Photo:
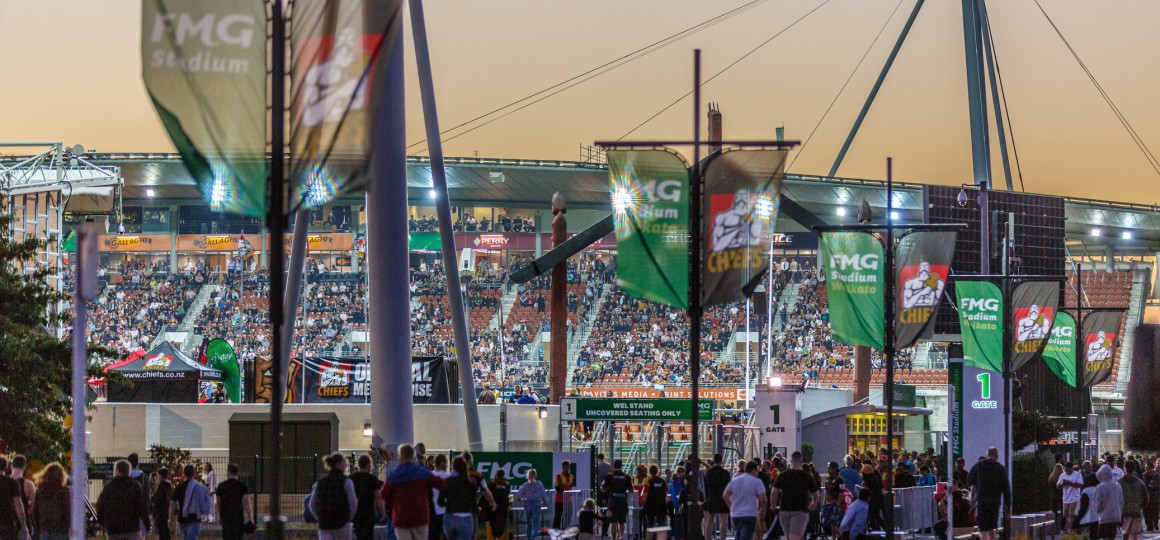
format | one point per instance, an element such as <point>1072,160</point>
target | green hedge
<point>1029,479</point>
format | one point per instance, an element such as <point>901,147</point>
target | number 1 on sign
<point>984,385</point>
<point>776,414</point>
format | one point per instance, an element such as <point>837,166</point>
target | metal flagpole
<point>748,386</point>
<point>276,224</point>
<point>443,210</point>
<point>694,301</point>
<point>888,513</point>
<point>86,289</point>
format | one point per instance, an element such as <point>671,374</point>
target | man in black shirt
<point>234,508</point>
<point>366,489</point>
<point>793,497</point>
<point>159,504</point>
<point>716,509</point>
<point>988,482</point>
<point>11,505</point>
<point>617,485</point>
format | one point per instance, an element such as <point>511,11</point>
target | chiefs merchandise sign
<point>924,260</point>
<point>326,379</point>
<point>741,190</point>
<point>1034,304</point>
<point>1099,346</point>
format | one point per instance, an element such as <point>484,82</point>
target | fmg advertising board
<point>515,466</point>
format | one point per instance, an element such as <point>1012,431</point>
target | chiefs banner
<point>741,193</point>
<point>1100,331</point>
<point>923,265</point>
<point>1033,304</point>
<point>337,47</point>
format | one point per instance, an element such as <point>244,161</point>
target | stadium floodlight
<point>763,207</point>
<point>431,194</point>
<point>841,211</point>
<point>775,381</point>
<point>149,192</point>
<point>622,200</point>
<point>367,431</point>
<point>543,412</point>
<point>1096,231</point>
<point>1127,235</point>
<point>894,216</point>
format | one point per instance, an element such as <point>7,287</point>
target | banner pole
<point>694,300</point>
<point>888,292</point>
<point>443,210</point>
<point>276,224</point>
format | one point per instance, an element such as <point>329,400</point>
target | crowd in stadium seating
<point>468,223</point>
<point>138,303</point>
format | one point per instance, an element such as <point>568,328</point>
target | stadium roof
<point>530,183</point>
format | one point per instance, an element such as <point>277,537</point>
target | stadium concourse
<point>181,272</point>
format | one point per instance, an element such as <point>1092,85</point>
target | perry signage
<point>590,409</point>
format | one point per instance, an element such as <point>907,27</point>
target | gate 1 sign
<point>660,409</point>
<point>976,410</point>
<point>775,412</point>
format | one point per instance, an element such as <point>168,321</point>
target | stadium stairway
<point>1135,315</point>
<point>195,309</point>
<point>787,301</point>
<point>506,302</point>
<point>581,339</point>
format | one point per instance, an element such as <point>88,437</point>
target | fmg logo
<point>212,31</point>
<point>979,304</point>
<point>868,261</point>
<point>1060,332</point>
<point>663,190</point>
<point>512,470</point>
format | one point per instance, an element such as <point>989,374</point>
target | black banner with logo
<point>1033,305</point>
<point>924,262</point>
<point>328,379</point>
<point>741,196</point>
<point>1100,332</point>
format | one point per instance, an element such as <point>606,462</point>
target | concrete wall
<point>121,428</point>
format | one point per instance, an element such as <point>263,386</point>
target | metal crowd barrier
<point>915,508</point>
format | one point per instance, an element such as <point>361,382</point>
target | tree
<point>35,365</point>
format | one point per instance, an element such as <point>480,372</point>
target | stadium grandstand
<point>173,269</point>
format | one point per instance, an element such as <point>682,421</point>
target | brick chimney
<point>714,127</point>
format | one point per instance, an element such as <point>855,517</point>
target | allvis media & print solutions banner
<point>322,379</point>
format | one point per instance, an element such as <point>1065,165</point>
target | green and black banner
<point>981,323</point>
<point>742,188</point>
<point>204,67</point>
<point>1100,331</point>
<point>220,355</point>
<point>1033,305</point>
<point>1059,354</point>
<point>338,46</point>
<point>854,286</point>
<point>923,265</point>
<point>650,190</point>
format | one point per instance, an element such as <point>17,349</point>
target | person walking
<point>1108,502</point>
<point>121,506</point>
<point>745,495</point>
<point>333,500</point>
<point>716,479</point>
<point>1071,482</point>
<point>210,477</point>
<point>50,514</point>
<point>654,502</point>
<point>497,517</point>
<point>534,497</point>
<point>793,497</point>
<point>234,510</point>
<point>851,478</point>
<point>1135,497</point>
<point>989,486</point>
<point>366,490</point>
<point>1152,509</point>
<point>872,482</point>
<point>603,469</point>
<point>405,493</point>
<point>190,502</point>
<point>458,495</point>
<point>615,487</point>
<point>438,509</point>
<point>27,487</point>
<point>159,505</point>
<point>565,481</point>
<point>13,520</point>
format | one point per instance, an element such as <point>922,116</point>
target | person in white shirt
<point>745,495</point>
<point>1072,483</point>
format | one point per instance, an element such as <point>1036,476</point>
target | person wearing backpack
<point>654,499</point>
<point>121,506</point>
<point>333,500</point>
